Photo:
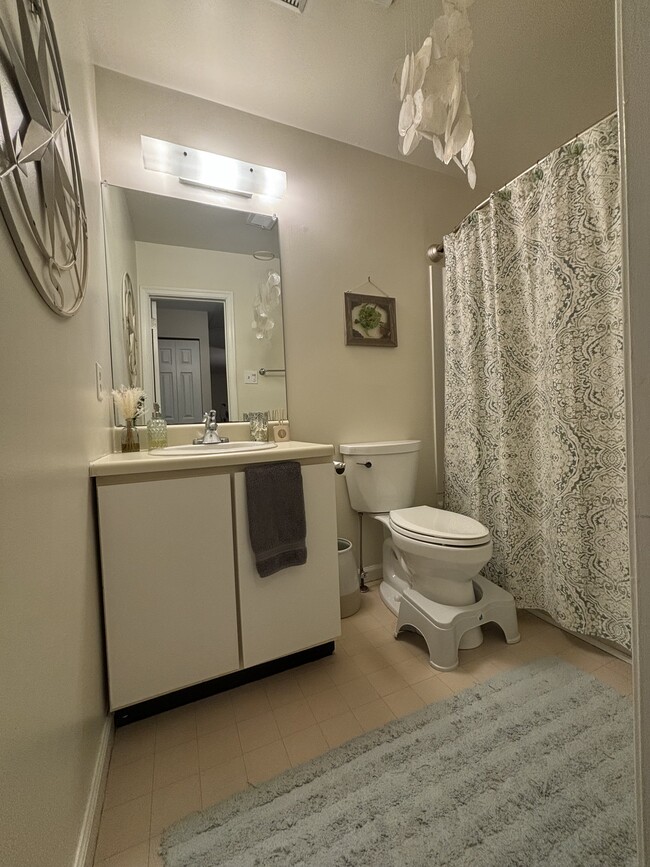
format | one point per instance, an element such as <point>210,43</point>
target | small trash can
<point>348,579</point>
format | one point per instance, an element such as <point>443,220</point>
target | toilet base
<point>391,593</point>
<point>443,626</point>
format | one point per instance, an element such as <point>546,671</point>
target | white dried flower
<point>129,401</point>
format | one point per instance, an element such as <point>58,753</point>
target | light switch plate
<point>250,377</point>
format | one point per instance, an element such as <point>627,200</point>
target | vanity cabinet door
<point>298,607</point>
<point>169,584</point>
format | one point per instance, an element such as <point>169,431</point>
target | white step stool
<point>443,626</point>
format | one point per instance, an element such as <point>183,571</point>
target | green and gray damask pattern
<point>534,385</point>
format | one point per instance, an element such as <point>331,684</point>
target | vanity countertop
<point>143,462</point>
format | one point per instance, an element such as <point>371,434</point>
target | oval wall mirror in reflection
<point>201,327</point>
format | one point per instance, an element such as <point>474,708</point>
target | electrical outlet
<point>250,377</point>
<point>99,381</point>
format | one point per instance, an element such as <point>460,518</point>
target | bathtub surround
<point>535,424</point>
<point>633,34</point>
<point>511,771</point>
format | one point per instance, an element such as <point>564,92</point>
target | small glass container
<point>130,437</point>
<point>157,429</point>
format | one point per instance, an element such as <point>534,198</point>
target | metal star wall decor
<point>41,195</point>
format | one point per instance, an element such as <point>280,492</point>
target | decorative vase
<point>130,438</point>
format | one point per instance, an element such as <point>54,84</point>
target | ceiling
<point>540,71</point>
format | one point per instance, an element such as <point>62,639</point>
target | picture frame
<point>370,320</point>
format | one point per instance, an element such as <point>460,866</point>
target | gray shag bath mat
<point>533,767</point>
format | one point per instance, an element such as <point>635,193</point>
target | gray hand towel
<point>276,515</point>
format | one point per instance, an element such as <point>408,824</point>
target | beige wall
<point>348,214</point>
<point>51,670</point>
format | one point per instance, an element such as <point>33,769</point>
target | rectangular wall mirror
<point>195,306</point>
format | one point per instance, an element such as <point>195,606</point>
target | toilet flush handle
<point>364,464</point>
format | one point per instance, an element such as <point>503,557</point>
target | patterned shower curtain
<point>534,385</point>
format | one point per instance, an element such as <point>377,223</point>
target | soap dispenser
<point>157,429</point>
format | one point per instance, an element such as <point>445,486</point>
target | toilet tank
<point>381,476</point>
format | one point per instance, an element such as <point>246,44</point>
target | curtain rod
<point>436,252</point>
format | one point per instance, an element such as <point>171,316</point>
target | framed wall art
<point>370,320</point>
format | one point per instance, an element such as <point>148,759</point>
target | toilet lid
<point>439,526</point>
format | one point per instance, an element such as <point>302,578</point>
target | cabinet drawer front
<point>298,607</point>
<point>169,584</point>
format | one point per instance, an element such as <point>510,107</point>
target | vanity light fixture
<point>212,171</point>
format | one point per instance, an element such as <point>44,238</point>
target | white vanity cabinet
<point>168,571</point>
<point>297,607</point>
<point>183,602</point>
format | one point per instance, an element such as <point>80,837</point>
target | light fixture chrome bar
<point>191,183</point>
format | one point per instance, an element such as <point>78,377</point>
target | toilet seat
<point>438,527</point>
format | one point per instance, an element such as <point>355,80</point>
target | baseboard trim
<point>90,825</point>
<point>373,573</point>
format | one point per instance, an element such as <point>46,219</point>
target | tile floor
<point>180,761</point>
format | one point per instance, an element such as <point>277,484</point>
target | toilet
<point>431,557</point>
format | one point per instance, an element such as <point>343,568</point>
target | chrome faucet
<point>210,433</point>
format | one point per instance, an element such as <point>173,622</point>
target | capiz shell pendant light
<point>433,88</point>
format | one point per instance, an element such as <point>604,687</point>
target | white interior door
<point>179,371</point>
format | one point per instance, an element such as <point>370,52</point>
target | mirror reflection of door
<point>180,380</point>
<point>191,360</point>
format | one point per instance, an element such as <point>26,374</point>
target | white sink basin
<point>212,449</point>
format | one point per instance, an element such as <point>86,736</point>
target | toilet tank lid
<point>392,447</point>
